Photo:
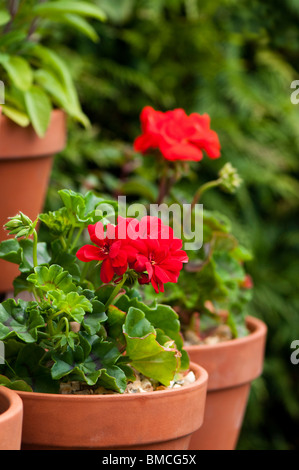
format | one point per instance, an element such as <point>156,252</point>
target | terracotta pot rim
<point>15,404</point>
<point>257,328</point>
<point>32,146</point>
<point>200,382</point>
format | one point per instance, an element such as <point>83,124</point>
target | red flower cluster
<point>148,247</point>
<point>176,135</point>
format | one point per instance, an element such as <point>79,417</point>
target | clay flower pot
<point>231,366</point>
<point>25,168</point>
<point>152,420</point>
<point>11,415</point>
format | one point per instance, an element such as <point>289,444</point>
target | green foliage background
<point>235,60</point>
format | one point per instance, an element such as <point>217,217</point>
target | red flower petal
<point>89,253</point>
<point>107,271</point>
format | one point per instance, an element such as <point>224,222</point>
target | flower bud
<point>20,225</point>
<point>230,180</point>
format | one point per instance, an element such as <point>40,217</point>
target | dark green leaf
<point>20,319</point>
<point>15,384</point>
<point>92,322</point>
<point>10,250</point>
<point>29,368</point>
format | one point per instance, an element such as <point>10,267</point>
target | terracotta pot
<point>231,366</point>
<point>11,415</point>
<point>153,420</point>
<point>25,168</point>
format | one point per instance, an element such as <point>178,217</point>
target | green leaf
<point>43,256</point>
<point>15,384</point>
<point>4,17</point>
<point>141,188</point>
<point>20,319</point>
<point>51,60</point>
<point>19,72</point>
<point>29,367</point>
<point>115,321</point>
<point>160,316</point>
<point>21,284</point>
<point>72,304</point>
<point>38,107</point>
<point>54,277</point>
<point>113,378</point>
<point>58,222</point>
<point>75,206</point>
<point>227,268</point>
<point>17,116</point>
<point>92,322</point>
<point>214,221</point>
<point>152,359</point>
<point>67,261</point>
<point>62,7</point>
<point>10,250</point>
<point>80,24</point>
<point>50,82</point>
<point>99,209</point>
<point>12,38</point>
<point>91,363</point>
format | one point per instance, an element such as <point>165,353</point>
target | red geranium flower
<point>176,135</point>
<point>108,249</point>
<point>148,247</point>
<point>159,262</point>
<point>157,255</point>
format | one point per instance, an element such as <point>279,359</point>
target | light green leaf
<point>19,117</point>
<point>19,71</point>
<point>77,8</point>
<point>39,109</point>
<point>49,81</point>
<point>72,304</point>
<point>4,17</point>
<point>147,355</point>
<point>51,278</point>
<point>51,60</point>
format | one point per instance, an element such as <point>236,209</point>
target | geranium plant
<point>214,287</point>
<point>35,76</point>
<point>86,321</point>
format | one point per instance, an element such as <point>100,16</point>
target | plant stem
<point>35,262</point>
<point>163,185</point>
<point>63,242</point>
<point>70,237</point>
<point>77,238</point>
<point>84,272</point>
<point>203,189</point>
<point>13,6</point>
<point>170,174</point>
<point>115,292</point>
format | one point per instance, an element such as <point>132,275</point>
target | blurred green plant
<point>234,60</point>
<point>36,78</point>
